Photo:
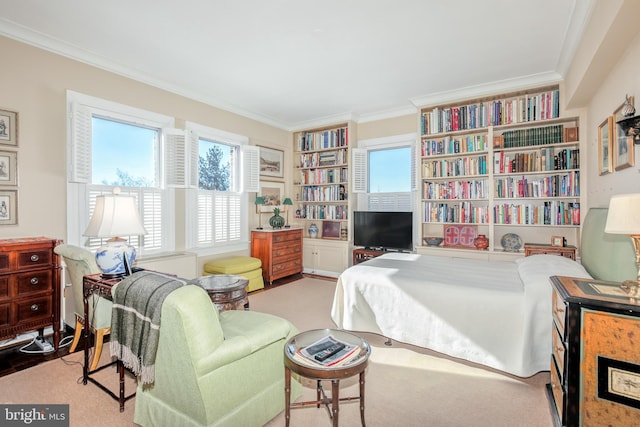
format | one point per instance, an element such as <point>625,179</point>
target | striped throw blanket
<point>135,320</point>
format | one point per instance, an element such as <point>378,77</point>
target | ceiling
<point>296,63</point>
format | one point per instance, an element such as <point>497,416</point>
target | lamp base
<point>115,258</point>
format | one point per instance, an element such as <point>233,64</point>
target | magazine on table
<point>327,351</point>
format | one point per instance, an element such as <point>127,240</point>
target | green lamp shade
<point>287,201</point>
<point>259,200</point>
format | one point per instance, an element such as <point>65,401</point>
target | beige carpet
<point>405,385</point>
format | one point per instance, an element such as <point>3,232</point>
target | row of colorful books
<point>549,213</point>
<point>333,138</point>
<point>546,159</point>
<point>331,212</point>
<point>567,185</point>
<point>450,190</point>
<point>526,108</point>
<point>324,176</point>
<point>455,145</point>
<point>465,166</point>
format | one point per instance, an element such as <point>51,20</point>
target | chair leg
<point>100,333</point>
<point>76,335</point>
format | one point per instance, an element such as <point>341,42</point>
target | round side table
<point>227,291</point>
<point>294,362</point>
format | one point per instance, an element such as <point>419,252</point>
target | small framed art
<point>273,195</point>
<point>557,241</point>
<point>618,381</point>
<point>8,128</point>
<point>623,148</point>
<point>271,162</point>
<point>8,168</point>
<point>331,229</point>
<point>8,207</point>
<point>605,134</point>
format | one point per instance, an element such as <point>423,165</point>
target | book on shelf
<point>327,352</point>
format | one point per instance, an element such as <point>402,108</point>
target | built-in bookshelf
<point>508,164</point>
<point>321,183</point>
<point>321,180</point>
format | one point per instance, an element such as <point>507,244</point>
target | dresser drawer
<point>559,353</point>
<point>284,250</point>
<point>292,266</point>
<point>5,265</point>
<point>4,287</point>
<point>33,309</point>
<point>34,282</point>
<point>4,314</point>
<point>557,391</point>
<point>287,236</point>
<point>559,314</point>
<point>34,259</point>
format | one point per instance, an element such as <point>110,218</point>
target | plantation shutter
<point>175,161</point>
<point>250,169</point>
<point>80,149</point>
<point>359,177</point>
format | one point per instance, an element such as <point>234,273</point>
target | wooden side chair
<point>80,262</point>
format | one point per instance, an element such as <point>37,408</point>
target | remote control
<point>325,354</point>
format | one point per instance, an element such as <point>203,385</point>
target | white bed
<point>497,314</point>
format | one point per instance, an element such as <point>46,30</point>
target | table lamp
<point>287,202</point>
<point>259,201</point>
<point>114,216</point>
<point>624,218</point>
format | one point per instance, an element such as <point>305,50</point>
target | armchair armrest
<point>229,351</point>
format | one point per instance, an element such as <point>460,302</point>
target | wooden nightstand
<point>362,255</point>
<point>539,248</point>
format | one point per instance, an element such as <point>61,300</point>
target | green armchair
<point>80,262</point>
<point>214,369</point>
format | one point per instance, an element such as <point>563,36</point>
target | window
<point>113,145</point>
<point>227,168</point>
<point>384,173</point>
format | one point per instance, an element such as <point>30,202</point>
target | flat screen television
<point>383,230</point>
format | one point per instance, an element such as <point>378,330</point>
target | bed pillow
<point>537,269</point>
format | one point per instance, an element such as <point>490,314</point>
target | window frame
<point>80,110</point>
<point>247,178</point>
<point>392,201</point>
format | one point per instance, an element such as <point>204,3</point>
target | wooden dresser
<point>279,250</point>
<point>595,363</point>
<point>29,287</point>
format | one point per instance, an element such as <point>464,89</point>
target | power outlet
<point>44,345</point>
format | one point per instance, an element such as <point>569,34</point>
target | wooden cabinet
<point>537,248</point>
<point>506,164</point>
<point>325,257</point>
<point>594,328</point>
<point>279,250</point>
<point>29,287</point>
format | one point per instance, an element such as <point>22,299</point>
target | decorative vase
<point>481,242</point>
<point>313,231</point>
<point>276,221</point>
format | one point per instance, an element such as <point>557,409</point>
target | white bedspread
<point>494,313</point>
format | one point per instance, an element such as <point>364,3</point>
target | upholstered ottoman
<point>244,266</point>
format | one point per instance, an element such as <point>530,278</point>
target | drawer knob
<point>35,258</point>
<point>34,307</point>
<point>34,281</point>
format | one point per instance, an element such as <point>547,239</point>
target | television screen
<point>386,230</point>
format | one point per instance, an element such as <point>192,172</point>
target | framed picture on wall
<point>623,148</point>
<point>605,133</point>
<point>271,162</point>
<point>273,195</point>
<point>8,168</point>
<point>8,207</point>
<point>8,128</point>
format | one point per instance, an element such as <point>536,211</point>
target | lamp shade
<point>115,216</point>
<point>259,200</point>
<point>624,215</point>
<point>287,201</point>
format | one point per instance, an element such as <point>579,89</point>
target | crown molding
<point>508,85</point>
